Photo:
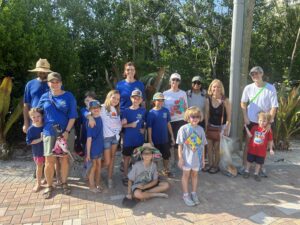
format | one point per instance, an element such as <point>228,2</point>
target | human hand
<point>87,158</point>
<point>129,196</point>
<point>133,125</point>
<point>180,163</point>
<point>172,141</point>
<point>142,130</point>
<point>272,152</point>
<point>25,128</point>
<point>66,135</point>
<point>123,121</point>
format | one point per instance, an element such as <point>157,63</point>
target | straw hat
<point>42,65</point>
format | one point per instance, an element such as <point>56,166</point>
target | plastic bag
<point>226,149</point>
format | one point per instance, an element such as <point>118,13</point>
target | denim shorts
<point>109,141</point>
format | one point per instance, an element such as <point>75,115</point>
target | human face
<point>55,85</point>
<point>256,76</point>
<point>194,119</point>
<point>147,155</point>
<point>115,99</point>
<point>196,84</point>
<point>136,100</point>
<point>36,118</point>
<point>42,75</point>
<point>175,83</point>
<point>87,100</point>
<point>262,122</point>
<point>95,111</point>
<point>216,89</point>
<point>129,72</point>
<point>158,103</point>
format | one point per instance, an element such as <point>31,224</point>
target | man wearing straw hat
<point>35,88</point>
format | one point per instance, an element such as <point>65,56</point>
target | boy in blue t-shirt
<point>158,123</point>
<point>35,139</point>
<point>95,147</point>
<point>133,120</point>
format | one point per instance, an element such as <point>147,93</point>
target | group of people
<point>179,123</point>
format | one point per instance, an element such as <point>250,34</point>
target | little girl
<point>191,141</point>
<point>110,114</point>
<point>133,120</point>
<point>94,147</point>
<point>260,138</point>
<point>35,139</point>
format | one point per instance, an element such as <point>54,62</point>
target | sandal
<point>125,181</point>
<point>100,188</point>
<point>66,189</point>
<point>48,193</point>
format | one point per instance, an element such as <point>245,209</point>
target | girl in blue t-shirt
<point>35,139</point>
<point>133,120</point>
<point>95,147</point>
<point>158,124</point>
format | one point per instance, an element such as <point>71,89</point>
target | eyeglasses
<point>176,80</point>
<point>197,82</point>
<point>195,117</point>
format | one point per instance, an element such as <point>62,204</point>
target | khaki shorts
<point>49,142</point>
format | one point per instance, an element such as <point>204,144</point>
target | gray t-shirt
<point>140,174</point>
<point>196,99</point>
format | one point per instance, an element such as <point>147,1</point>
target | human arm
<point>26,108</point>
<point>206,113</point>
<point>150,135</point>
<point>129,193</point>
<point>271,146</point>
<point>228,112</point>
<point>171,133</point>
<point>273,113</point>
<point>180,159</point>
<point>148,185</point>
<point>88,148</point>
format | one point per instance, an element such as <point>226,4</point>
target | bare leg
<point>64,168</point>
<point>257,168</point>
<point>185,180</point>
<point>49,169</point>
<point>194,175</point>
<point>107,158</point>
<point>98,172</point>
<point>217,154</point>
<point>210,153</point>
<point>112,161</point>
<point>57,171</point>
<point>39,174</point>
<point>245,151</point>
<point>247,168</point>
<point>92,175</point>
<point>166,165</point>
<point>126,164</point>
<point>154,192</point>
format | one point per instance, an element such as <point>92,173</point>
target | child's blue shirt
<point>32,134</point>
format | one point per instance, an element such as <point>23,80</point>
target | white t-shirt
<point>111,122</point>
<point>266,100</point>
<point>196,99</point>
<point>176,103</point>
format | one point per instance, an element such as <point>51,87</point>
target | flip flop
<point>66,189</point>
<point>48,193</point>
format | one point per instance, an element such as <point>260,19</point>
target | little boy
<point>158,123</point>
<point>95,147</point>
<point>260,138</point>
<point>143,178</point>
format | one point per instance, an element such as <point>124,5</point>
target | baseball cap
<point>94,104</point>
<point>136,92</point>
<point>54,76</point>
<point>197,78</point>
<point>175,76</point>
<point>158,96</point>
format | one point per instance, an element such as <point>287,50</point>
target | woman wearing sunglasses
<point>197,96</point>
<point>176,103</point>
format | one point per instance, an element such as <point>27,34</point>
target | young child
<point>143,178</point>
<point>133,120</point>
<point>110,114</point>
<point>35,139</point>
<point>95,147</point>
<point>191,141</point>
<point>158,123</point>
<point>260,138</point>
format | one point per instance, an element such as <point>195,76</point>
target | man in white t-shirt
<point>257,97</point>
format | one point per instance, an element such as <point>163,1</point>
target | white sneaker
<point>195,198</point>
<point>188,201</point>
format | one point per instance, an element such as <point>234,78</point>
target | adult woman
<point>218,115</point>
<point>59,112</point>
<point>176,103</point>
<point>197,96</point>
<point>126,86</point>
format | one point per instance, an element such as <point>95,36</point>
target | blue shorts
<point>96,156</point>
<point>109,141</point>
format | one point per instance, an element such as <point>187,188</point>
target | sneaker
<point>195,198</point>
<point>110,183</point>
<point>188,201</point>
<point>257,177</point>
<point>263,172</point>
<point>246,175</point>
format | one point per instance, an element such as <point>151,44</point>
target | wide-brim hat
<point>147,146</point>
<point>42,65</point>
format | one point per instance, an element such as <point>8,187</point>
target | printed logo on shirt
<point>259,137</point>
<point>179,107</point>
<point>139,116</point>
<point>62,103</point>
<point>194,141</point>
<point>165,115</point>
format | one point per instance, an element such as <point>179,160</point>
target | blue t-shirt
<point>125,88</point>
<point>96,133</point>
<point>32,134</point>
<point>158,121</point>
<point>57,110</point>
<point>83,121</point>
<point>133,136</point>
<point>34,89</point>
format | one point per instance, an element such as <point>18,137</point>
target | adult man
<point>35,88</point>
<point>257,97</point>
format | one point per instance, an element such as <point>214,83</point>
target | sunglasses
<point>160,100</point>
<point>195,117</point>
<point>175,79</point>
<point>196,82</point>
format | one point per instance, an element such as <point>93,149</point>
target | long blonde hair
<point>107,102</point>
<point>209,91</point>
